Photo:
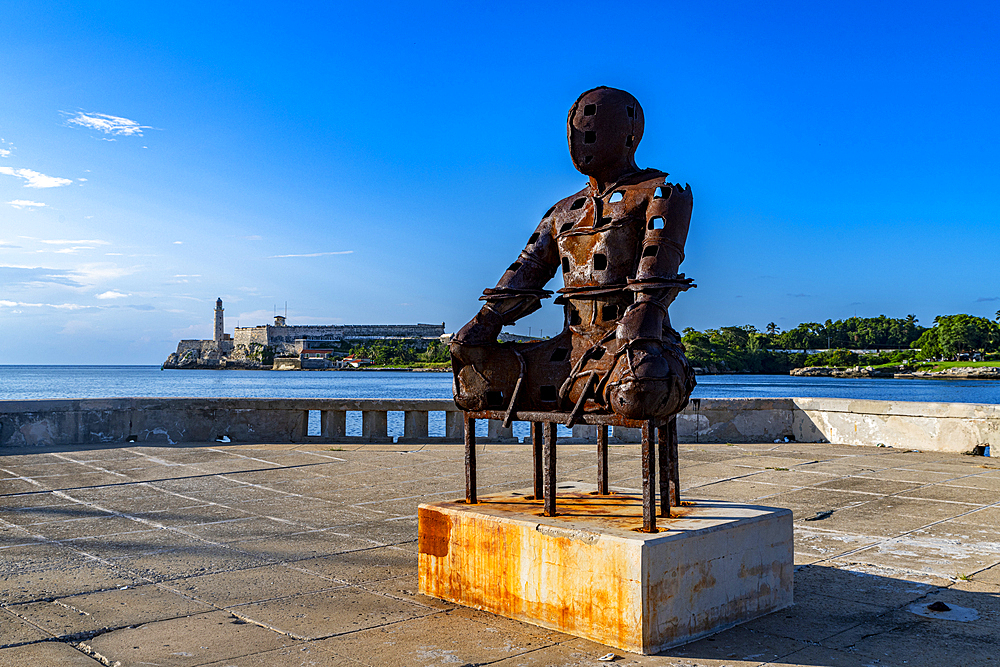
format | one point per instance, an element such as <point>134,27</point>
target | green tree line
<point>745,349</point>
<point>401,353</point>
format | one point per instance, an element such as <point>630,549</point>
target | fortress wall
<point>203,347</point>
<point>249,335</point>
<point>352,332</point>
<point>272,335</point>
<point>199,346</point>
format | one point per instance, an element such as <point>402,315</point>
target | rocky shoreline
<point>962,373</point>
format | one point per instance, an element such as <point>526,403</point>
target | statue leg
<point>653,379</point>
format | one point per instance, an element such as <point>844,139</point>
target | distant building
<point>314,344</point>
<point>204,353</point>
<point>219,324</point>
<point>356,362</point>
<point>291,340</point>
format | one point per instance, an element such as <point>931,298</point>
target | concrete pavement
<point>211,554</point>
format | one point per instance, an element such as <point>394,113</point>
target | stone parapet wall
<point>941,427</point>
<point>173,420</point>
<point>951,427</point>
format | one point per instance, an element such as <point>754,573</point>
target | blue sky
<point>383,163</point>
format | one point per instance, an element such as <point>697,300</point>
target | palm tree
<point>773,328</point>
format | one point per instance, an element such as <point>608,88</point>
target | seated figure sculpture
<point>620,243</point>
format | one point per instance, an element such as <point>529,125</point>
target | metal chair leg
<point>602,460</point>
<point>649,476</point>
<point>470,462</point>
<point>549,459</point>
<point>537,437</point>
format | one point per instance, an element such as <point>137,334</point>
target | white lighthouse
<point>219,336</point>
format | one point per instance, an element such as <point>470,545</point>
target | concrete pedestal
<point>591,573</point>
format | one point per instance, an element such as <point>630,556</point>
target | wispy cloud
<point>112,294</point>
<point>4,244</point>
<point>35,179</point>
<point>73,250</point>
<point>254,237</point>
<point>94,274</point>
<point>4,152</point>
<point>314,254</point>
<point>182,278</point>
<point>26,203</point>
<point>27,275</point>
<point>61,306</point>
<point>88,242</point>
<point>987,298</point>
<point>178,242</point>
<point>102,122</point>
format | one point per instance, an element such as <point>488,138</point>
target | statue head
<point>604,127</point>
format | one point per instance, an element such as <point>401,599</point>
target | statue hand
<point>482,330</point>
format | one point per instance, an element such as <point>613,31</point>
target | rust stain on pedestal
<point>486,564</point>
<point>590,573</point>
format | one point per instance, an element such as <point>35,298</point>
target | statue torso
<point>600,236</point>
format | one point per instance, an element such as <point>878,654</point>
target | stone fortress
<point>256,347</point>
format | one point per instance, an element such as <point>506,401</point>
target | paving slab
<point>438,639</point>
<point>240,528</point>
<point>46,653</point>
<point>15,631</point>
<point>989,575</point>
<point>816,618</point>
<point>366,565</point>
<point>956,494</point>
<point>865,584</point>
<point>39,556</point>
<point>944,558</point>
<point>267,582</point>
<point>302,545</point>
<point>812,544</point>
<point>106,610</point>
<point>40,508</point>
<point>193,560</point>
<point>900,634</point>
<point>192,513</point>
<point>187,641</point>
<point>334,612</point>
<point>60,581</point>
<point>306,654</point>
<point>103,526</point>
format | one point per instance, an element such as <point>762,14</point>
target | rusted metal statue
<point>620,243</point>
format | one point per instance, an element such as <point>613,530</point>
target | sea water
<point>42,382</point>
<point>49,382</point>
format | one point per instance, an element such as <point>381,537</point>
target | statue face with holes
<point>619,243</point>
<point>603,131</point>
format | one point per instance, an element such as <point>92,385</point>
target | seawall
<point>948,427</point>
